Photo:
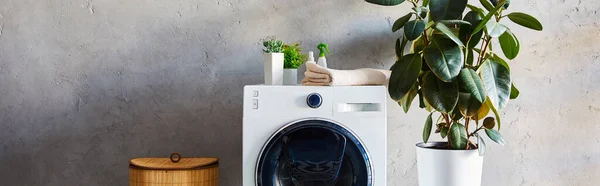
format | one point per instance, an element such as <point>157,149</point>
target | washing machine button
<point>255,104</point>
<point>314,100</point>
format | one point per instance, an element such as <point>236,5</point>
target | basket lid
<point>175,162</point>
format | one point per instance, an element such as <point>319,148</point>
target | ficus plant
<point>452,68</point>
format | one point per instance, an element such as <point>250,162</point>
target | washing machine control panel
<point>314,100</point>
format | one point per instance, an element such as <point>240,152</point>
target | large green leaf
<point>465,32</point>
<point>469,81</point>
<point>472,93</point>
<point>444,58</point>
<point>442,96</point>
<point>414,29</point>
<point>486,18</point>
<point>496,79</point>
<point>400,22</point>
<point>446,9</point>
<point>405,73</point>
<point>480,145</point>
<point>386,2</point>
<point>444,29</point>
<point>427,128</point>
<point>495,136</point>
<point>525,20</point>
<point>514,92</point>
<point>510,44</point>
<point>408,99</point>
<point>495,29</point>
<point>491,106</point>
<point>458,136</point>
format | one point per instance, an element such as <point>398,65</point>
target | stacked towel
<point>316,75</point>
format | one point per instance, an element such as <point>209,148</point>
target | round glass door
<point>314,152</point>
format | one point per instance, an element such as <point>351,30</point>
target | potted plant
<point>293,58</point>
<point>273,61</point>
<point>455,74</point>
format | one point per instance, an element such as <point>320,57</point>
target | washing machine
<point>314,136</point>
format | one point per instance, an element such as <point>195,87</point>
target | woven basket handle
<point>175,157</point>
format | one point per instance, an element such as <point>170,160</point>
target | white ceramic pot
<point>290,76</point>
<point>273,68</point>
<point>444,167</point>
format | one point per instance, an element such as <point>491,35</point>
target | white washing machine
<point>312,136</point>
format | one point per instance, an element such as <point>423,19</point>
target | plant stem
<point>448,124</point>
<point>485,46</point>
<point>474,132</point>
<point>467,129</point>
<point>414,3</point>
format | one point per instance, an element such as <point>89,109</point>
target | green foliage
<point>407,69</point>
<point>427,128</point>
<point>457,136</point>
<point>446,9</point>
<point>525,20</point>
<point>414,29</point>
<point>293,56</point>
<point>398,24</point>
<point>445,58</point>
<point>452,68</point>
<point>442,96</point>
<point>510,44</point>
<point>272,45</point>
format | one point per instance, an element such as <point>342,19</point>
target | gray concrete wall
<point>85,85</point>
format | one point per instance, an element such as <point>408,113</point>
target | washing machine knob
<point>314,100</point>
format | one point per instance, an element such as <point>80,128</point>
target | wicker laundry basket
<point>174,171</point>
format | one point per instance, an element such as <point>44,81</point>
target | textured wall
<point>85,85</point>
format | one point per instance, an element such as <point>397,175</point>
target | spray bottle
<point>322,48</point>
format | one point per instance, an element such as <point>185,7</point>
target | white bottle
<point>311,57</point>
<point>322,61</point>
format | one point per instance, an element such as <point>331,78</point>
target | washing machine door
<point>314,152</point>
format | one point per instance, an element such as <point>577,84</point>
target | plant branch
<point>474,132</point>
<point>486,44</point>
<point>447,125</point>
<point>467,129</point>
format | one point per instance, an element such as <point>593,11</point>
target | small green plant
<point>450,73</point>
<point>293,56</point>
<point>272,45</point>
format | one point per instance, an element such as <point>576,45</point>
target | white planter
<point>290,76</point>
<point>444,167</point>
<point>273,68</point>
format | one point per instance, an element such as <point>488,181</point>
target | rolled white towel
<point>316,75</point>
